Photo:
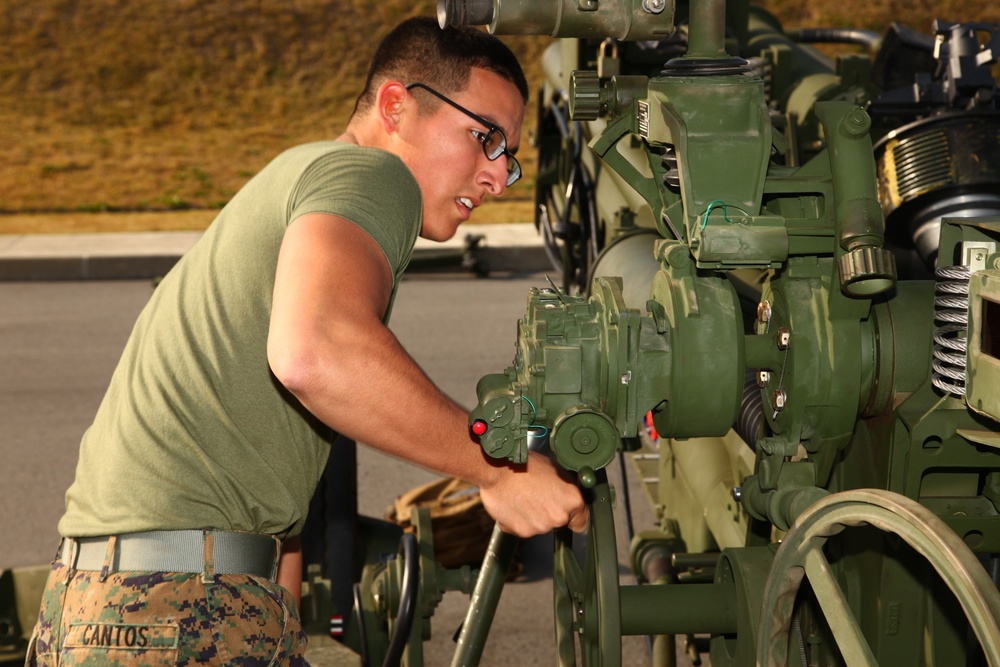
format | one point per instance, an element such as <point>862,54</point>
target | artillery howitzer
<point>750,237</point>
<point>780,298</point>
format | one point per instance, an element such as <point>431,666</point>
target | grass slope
<point>174,104</point>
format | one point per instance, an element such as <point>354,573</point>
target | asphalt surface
<point>60,340</point>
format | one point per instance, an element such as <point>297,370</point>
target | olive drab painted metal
<point>780,299</point>
<point>779,302</point>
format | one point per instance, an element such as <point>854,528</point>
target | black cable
<point>359,618</point>
<point>407,601</point>
<point>867,38</point>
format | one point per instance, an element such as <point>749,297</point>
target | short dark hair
<point>419,50</point>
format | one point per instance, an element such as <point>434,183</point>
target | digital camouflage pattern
<point>163,619</point>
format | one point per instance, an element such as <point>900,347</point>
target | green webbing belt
<point>177,551</point>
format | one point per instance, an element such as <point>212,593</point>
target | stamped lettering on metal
<point>643,118</point>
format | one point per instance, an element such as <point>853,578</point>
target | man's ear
<point>391,102</point>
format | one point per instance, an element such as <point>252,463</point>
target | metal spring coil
<point>951,306</point>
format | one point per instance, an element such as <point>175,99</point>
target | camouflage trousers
<point>163,619</point>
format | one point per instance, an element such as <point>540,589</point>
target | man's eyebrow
<point>493,121</point>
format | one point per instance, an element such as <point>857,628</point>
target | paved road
<point>59,343</point>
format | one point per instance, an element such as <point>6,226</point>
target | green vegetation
<point>122,105</point>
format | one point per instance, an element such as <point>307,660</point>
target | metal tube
<point>457,13</point>
<point>485,597</point>
<point>664,651</point>
<point>866,268</point>
<point>626,20</point>
<point>852,163</point>
<point>707,32</point>
<point>679,609</point>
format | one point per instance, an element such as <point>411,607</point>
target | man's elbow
<point>295,367</point>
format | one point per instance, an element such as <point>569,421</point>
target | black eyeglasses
<point>494,141</point>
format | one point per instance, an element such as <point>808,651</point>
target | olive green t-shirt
<point>195,431</point>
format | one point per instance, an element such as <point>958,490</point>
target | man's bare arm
<point>327,344</point>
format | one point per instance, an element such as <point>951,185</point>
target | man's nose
<point>496,175</point>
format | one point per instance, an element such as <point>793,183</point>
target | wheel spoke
<point>801,552</point>
<point>850,640</point>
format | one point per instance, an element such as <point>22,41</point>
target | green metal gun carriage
<point>780,284</point>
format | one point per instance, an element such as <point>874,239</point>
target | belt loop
<point>277,557</point>
<point>208,557</point>
<point>68,551</point>
<point>109,558</point>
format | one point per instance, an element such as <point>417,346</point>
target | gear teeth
<point>584,95</point>
<point>867,270</point>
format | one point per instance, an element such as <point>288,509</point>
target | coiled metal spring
<point>951,307</point>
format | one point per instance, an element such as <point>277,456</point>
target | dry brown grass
<point>153,106</point>
<point>125,105</point>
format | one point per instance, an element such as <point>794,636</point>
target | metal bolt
<point>626,377</point>
<point>764,312</point>
<point>763,377</point>
<point>784,337</point>
<point>858,122</point>
<point>737,493</point>
<point>653,6</point>
<point>779,399</point>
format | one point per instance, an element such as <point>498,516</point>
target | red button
<point>479,427</point>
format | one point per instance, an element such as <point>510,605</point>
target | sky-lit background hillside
<point>172,104</point>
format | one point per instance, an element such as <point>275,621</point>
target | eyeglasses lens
<point>513,170</point>
<point>495,145</point>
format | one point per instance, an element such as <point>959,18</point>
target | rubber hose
<point>407,601</point>
<point>868,38</point>
<point>359,617</point>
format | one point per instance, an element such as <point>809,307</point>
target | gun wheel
<point>586,597</point>
<point>801,556</point>
<point>565,212</point>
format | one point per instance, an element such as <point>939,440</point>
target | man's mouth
<point>466,202</point>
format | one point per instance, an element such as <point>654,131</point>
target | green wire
<point>534,416</point>
<point>711,205</point>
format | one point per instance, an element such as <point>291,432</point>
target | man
<point>268,339</point>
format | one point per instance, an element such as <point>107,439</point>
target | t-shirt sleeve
<point>371,188</point>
